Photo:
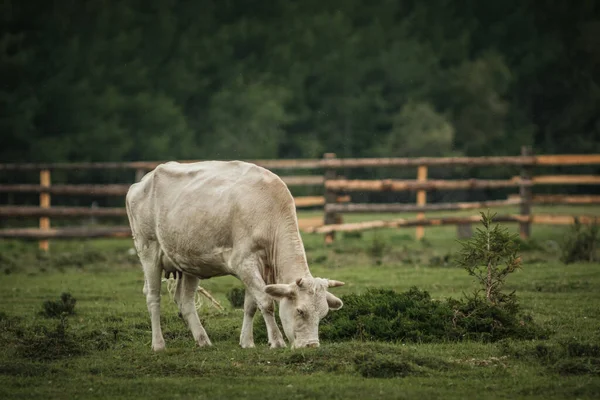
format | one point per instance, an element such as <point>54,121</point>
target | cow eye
<point>300,312</point>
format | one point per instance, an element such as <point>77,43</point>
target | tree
<point>418,130</point>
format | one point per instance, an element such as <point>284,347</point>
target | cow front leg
<point>247,335</point>
<point>267,308</point>
<point>255,285</point>
<point>187,309</point>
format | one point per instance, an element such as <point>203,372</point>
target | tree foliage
<point>133,80</point>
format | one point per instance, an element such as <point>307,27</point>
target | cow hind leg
<point>187,309</point>
<point>152,283</point>
<point>247,335</point>
<point>177,297</point>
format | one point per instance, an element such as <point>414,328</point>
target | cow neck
<point>289,256</point>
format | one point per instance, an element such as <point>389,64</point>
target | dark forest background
<point>97,80</point>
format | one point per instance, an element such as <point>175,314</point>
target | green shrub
<point>386,315</point>
<point>55,309</point>
<point>567,357</point>
<point>236,297</point>
<point>352,235</point>
<point>528,244</point>
<point>377,248</point>
<point>42,344</point>
<point>380,366</point>
<point>413,316</point>
<point>8,264</point>
<point>580,243</point>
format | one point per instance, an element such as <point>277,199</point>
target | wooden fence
<point>336,191</point>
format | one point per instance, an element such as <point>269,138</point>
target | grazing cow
<point>213,218</point>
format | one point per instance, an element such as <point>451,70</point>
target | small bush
<point>570,357</point>
<point>236,297</point>
<point>386,315</point>
<point>353,235</point>
<point>55,309</point>
<point>8,263</point>
<point>103,339</point>
<point>44,345</point>
<point>380,366</point>
<point>580,243</point>
<point>477,319</point>
<point>528,244</point>
<point>441,261</point>
<point>412,316</point>
<point>377,248</point>
<point>396,365</point>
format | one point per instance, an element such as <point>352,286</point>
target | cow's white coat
<point>216,218</point>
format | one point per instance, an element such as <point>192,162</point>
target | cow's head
<point>302,305</point>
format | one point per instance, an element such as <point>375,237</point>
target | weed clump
<point>376,365</point>
<point>45,344</point>
<point>380,366</point>
<point>570,357</point>
<point>581,243</point>
<point>377,249</point>
<point>7,263</point>
<point>236,297</point>
<point>56,309</point>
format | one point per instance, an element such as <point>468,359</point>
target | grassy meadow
<point>103,350</point>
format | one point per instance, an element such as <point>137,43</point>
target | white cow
<point>214,218</point>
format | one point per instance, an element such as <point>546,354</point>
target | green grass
<point>108,337</point>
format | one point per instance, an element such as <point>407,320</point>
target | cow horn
<point>334,283</point>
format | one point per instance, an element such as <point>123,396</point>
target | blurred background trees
<point>97,80</point>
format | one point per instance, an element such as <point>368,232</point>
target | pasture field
<point>103,350</point>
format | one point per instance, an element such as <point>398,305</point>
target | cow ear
<point>280,290</point>
<point>333,302</point>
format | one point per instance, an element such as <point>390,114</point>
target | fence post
<point>525,193</point>
<point>330,198</point>
<point>44,203</point>
<point>421,199</point>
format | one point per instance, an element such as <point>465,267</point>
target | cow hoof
<point>277,344</point>
<point>247,345</point>
<point>158,347</point>
<point>203,342</point>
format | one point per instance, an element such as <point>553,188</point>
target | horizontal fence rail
<point>336,197</point>
<point>66,212</point>
<point>66,233</point>
<point>561,199</point>
<point>389,185</point>
<point>61,212</point>
<point>402,207</point>
<point>398,223</point>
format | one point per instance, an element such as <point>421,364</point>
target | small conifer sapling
<point>489,256</point>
